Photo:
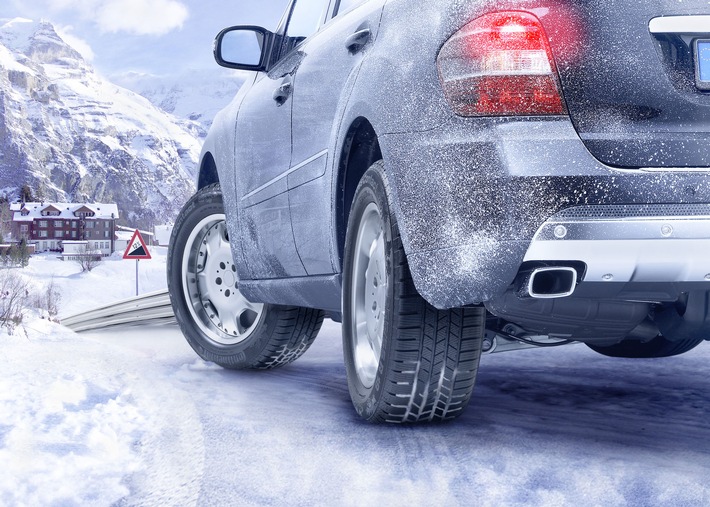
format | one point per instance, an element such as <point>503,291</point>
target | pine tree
<point>13,255</point>
<point>5,219</point>
<point>23,253</point>
<point>26,194</point>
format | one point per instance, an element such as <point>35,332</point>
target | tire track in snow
<point>544,427</point>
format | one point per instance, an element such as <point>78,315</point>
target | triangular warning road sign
<point>136,248</point>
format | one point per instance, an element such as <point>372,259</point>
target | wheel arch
<point>360,149</point>
<point>208,172</point>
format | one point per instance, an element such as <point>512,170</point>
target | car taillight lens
<point>500,64</point>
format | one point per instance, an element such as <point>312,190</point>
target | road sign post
<point>137,250</point>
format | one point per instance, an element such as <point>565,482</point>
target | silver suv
<point>450,178</point>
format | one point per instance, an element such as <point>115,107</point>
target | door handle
<point>358,40</point>
<point>283,92</point>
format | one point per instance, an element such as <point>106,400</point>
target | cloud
<point>78,5</point>
<point>65,32</point>
<point>142,17</point>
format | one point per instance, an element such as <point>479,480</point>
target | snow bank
<point>81,424</point>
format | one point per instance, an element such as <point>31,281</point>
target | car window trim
<point>282,27</point>
<point>325,16</point>
<point>336,10</point>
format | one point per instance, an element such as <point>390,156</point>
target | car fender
<point>220,145</point>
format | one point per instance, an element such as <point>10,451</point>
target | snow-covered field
<point>133,417</point>
<point>111,280</point>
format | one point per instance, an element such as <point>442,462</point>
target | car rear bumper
<point>664,243</point>
<point>478,197</point>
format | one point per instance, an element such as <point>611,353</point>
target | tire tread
<point>435,354</point>
<point>285,332</point>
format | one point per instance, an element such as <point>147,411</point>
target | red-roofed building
<point>46,225</point>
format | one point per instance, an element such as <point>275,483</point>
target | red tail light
<point>500,64</point>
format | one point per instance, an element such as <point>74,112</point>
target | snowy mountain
<point>195,96</point>
<point>74,136</point>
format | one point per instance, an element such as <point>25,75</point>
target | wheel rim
<point>369,293</point>
<point>211,287</point>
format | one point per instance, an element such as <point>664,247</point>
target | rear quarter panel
<point>446,191</point>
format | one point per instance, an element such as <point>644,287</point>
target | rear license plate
<point>702,64</point>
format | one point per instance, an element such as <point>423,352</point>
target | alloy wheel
<point>211,285</point>
<point>369,295</point>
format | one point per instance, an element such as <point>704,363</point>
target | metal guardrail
<point>152,307</point>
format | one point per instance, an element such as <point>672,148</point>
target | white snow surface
<point>132,416</point>
<point>66,210</point>
<point>111,280</point>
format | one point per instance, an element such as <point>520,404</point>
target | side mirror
<point>242,47</point>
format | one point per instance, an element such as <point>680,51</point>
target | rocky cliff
<point>74,136</point>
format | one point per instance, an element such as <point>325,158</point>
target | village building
<point>162,234</point>
<point>48,225</point>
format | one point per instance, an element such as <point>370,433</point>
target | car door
<point>262,160</point>
<point>322,84</point>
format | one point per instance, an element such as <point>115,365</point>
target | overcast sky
<point>149,36</point>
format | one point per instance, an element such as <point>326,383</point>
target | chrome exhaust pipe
<point>552,282</point>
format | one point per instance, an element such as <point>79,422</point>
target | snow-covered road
<point>133,417</point>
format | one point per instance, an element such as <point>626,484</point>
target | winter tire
<point>219,323</point>
<point>406,361</point>
<point>657,347</point>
